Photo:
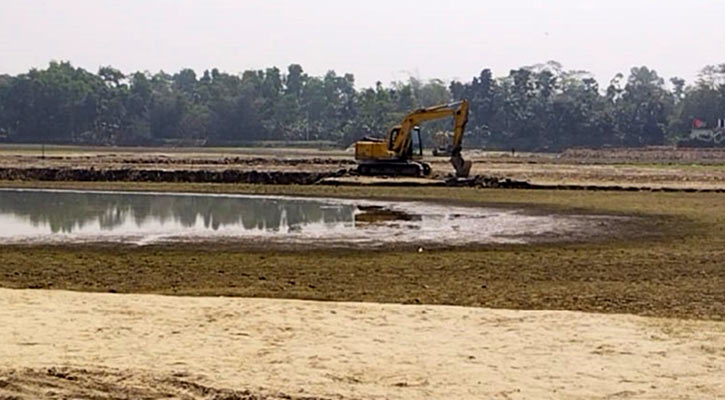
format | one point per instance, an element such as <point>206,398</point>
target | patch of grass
<point>676,269</point>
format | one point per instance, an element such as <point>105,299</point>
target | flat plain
<point>668,271</point>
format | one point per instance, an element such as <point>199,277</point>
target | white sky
<point>374,39</point>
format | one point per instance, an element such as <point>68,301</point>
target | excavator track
<point>392,168</point>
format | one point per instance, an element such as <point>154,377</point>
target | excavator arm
<point>458,110</point>
<point>462,167</point>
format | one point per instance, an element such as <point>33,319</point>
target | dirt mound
<point>239,161</point>
<point>151,175</point>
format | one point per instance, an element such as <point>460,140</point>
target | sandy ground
<point>65,344</point>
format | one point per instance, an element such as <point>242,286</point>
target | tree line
<point>541,107</point>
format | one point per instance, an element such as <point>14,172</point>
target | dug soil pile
<point>158,175</point>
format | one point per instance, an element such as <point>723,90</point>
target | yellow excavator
<point>401,152</point>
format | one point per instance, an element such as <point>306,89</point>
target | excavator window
<point>416,145</point>
<point>393,136</point>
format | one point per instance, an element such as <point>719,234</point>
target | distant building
<point>703,136</point>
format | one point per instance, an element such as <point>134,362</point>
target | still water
<point>142,218</point>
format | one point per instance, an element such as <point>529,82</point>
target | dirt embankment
<point>293,162</point>
<point>182,160</point>
<point>158,175</point>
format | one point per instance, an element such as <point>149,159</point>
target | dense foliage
<point>542,107</point>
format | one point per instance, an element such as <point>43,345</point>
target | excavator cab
<point>415,150</point>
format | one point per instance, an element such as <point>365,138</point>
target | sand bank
<point>196,347</point>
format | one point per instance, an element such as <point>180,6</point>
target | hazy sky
<point>374,39</point>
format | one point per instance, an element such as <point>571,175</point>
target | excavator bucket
<point>462,167</point>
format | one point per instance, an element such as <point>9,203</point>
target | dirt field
<point>668,276</point>
<point>132,346</point>
<point>653,168</point>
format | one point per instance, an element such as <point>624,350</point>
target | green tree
<point>643,109</point>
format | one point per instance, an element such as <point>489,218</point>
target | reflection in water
<point>382,215</point>
<point>69,212</point>
<point>48,216</point>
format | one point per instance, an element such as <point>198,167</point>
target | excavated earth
<point>161,175</point>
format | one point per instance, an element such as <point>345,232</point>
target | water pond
<point>51,216</point>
